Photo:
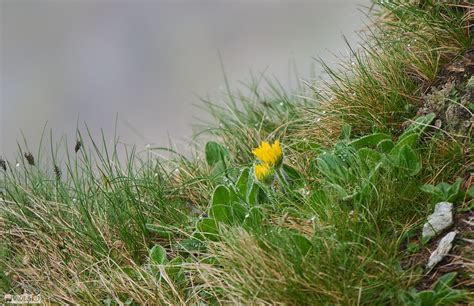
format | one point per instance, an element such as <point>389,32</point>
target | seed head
<point>78,146</point>
<point>29,158</point>
<point>57,172</point>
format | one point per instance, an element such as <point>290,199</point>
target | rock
<point>442,250</point>
<point>438,221</point>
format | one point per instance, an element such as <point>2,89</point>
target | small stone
<point>442,250</point>
<point>438,221</point>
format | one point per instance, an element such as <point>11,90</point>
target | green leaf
<point>427,297</point>
<point>252,196</point>
<point>214,152</point>
<point>445,281</point>
<point>238,212</point>
<point>385,146</point>
<point>444,189</point>
<point>242,182</point>
<point>209,229</point>
<point>220,209</point>
<point>221,195</point>
<point>192,244</point>
<point>158,255</point>
<point>369,156</point>
<point>369,140</point>
<point>419,125</point>
<point>407,159</point>
<point>410,140</point>
<point>454,191</point>
<point>428,189</point>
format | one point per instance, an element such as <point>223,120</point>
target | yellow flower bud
<point>263,172</point>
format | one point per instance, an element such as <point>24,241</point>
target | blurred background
<point>147,62</point>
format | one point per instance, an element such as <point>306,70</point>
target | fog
<point>147,62</point>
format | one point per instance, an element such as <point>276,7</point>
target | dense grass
<point>105,224</point>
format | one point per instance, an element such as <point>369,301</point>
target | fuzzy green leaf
<point>369,141</point>
<point>242,182</point>
<point>385,146</point>
<point>208,227</point>
<point>407,159</point>
<point>214,153</point>
<point>158,255</point>
<point>220,209</point>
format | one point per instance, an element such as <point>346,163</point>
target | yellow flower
<point>269,154</point>
<point>262,172</point>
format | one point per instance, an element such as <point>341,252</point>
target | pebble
<point>439,220</point>
<point>442,250</point>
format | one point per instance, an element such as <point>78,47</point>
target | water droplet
<point>247,215</point>
<point>353,64</point>
<point>17,165</point>
<point>281,103</point>
<point>74,200</point>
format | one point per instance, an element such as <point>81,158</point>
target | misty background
<point>147,62</point>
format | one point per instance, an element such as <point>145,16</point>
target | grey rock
<point>442,250</point>
<point>439,220</point>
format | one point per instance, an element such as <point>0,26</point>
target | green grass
<point>329,230</point>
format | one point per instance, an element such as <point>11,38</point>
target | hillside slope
<point>315,197</point>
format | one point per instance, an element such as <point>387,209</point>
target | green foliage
<point>369,140</point>
<point>352,168</point>
<point>446,192</point>
<point>440,294</point>
<point>158,255</point>
<point>214,153</point>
